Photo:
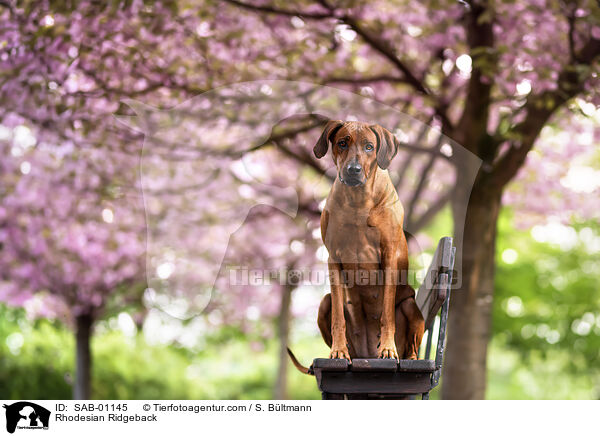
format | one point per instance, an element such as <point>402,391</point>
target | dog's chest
<point>354,242</point>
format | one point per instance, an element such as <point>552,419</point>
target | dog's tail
<point>303,369</point>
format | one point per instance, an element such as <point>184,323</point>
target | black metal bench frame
<point>388,378</point>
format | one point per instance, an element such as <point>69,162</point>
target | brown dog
<point>371,311</point>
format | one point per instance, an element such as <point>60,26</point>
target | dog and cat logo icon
<point>26,415</point>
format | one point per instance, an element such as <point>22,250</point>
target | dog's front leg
<point>339,347</point>
<point>387,345</point>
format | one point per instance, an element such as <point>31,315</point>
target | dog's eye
<point>369,147</point>
<point>342,144</point>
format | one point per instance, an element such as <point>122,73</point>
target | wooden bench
<point>386,378</point>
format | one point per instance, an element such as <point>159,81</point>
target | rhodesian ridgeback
<point>371,311</point>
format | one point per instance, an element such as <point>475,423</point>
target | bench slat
<point>370,365</point>
<point>331,364</point>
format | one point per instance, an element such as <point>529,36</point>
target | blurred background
<point>152,148</point>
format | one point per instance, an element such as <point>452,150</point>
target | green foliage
<point>534,378</point>
<point>42,367</point>
<point>34,358</point>
<point>37,361</point>
<point>546,320</point>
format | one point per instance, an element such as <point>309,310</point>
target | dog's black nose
<point>354,168</point>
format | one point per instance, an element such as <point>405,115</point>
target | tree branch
<point>419,223</point>
<point>424,175</point>
<point>472,126</point>
<point>388,51</point>
<point>281,11</point>
<point>385,49</point>
<point>409,158</point>
<point>571,35</point>
<point>378,44</point>
<point>303,157</point>
<point>365,80</point>
<point>540,108</point>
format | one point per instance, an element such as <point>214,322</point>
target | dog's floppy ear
<point>329,132</point>
<point>387,145</point>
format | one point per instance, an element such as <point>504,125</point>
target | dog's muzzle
<point>351,181</point>
<point>352,174</point>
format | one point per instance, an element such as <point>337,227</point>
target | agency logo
<point>26,415</point>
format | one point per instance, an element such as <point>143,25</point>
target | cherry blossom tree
<point>71,234</point>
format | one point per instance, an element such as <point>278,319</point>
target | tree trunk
<point>81,388</point>
<point>280,392</point>
<point>470,317</point>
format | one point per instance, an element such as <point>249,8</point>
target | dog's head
<point>357,149</point>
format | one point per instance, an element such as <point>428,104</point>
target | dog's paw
<point>412,356</point>
<point>340,353</point>
<point>387,352</point>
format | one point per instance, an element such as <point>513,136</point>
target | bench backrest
<point>435,287</point>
